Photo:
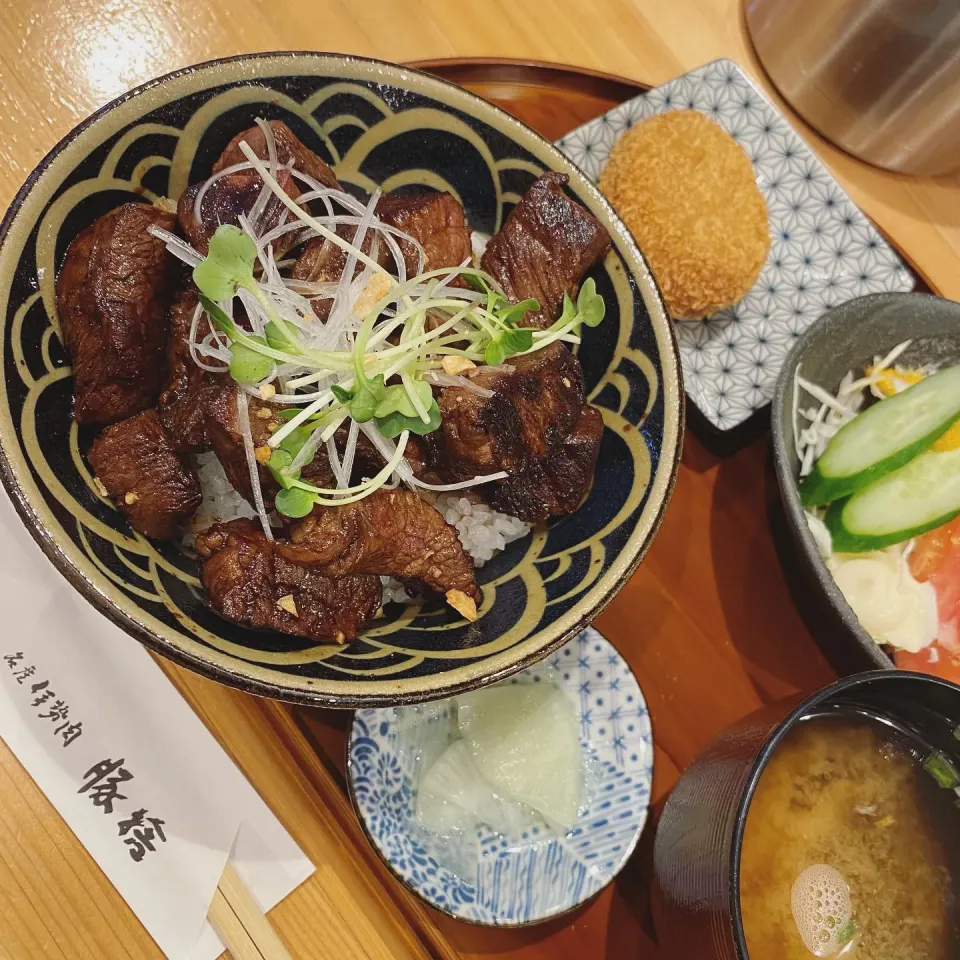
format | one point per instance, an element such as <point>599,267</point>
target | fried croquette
<point>687,192</point>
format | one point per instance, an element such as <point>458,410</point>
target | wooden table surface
<point>707,622</point>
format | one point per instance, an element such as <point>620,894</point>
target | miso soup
<point>850,849</point>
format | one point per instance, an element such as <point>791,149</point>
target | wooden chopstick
<point>241,924</point>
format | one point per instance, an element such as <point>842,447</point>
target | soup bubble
<point>822,911</point>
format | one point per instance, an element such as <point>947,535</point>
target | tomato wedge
<point>935,558</point>
<point>946,664</point>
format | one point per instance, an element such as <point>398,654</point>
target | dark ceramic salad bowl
<point>847,338</point>
<point>378,124</point>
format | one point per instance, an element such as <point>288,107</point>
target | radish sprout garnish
<point>387,341</point>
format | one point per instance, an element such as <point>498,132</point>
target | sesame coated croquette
<point>687,192</point>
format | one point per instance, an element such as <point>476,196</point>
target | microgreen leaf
<point>590,304</point>
<point>395,423</point>
<point>363,406</point>
<point>511,315</point>
<point>396,399</point>
<point>294,502</point>
<point>220,319</point>
<point>248,366</point>
<point>342,394</point>
<point>475,282</point>
<point>228,264</point>
<point>507,343</point>
<point>276,338</point>
<point>568,312</point>
<point>296,438</point>
<point>495,353</point>
<point>279,461</point>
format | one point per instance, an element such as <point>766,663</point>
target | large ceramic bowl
<point>377,124</point>
<point>847,338</point>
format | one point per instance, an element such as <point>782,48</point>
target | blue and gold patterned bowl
<point>377,124</point>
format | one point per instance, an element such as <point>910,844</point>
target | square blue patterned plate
<point>823,249</point>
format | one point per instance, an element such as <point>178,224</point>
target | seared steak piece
<point>221,418</point>
<point>112,302</point>
<point>322,261</point>
<point>532,410</point>
<point>188,387</point>
<point>546,246</point>
<point>137,465</point>
<point>289,147</point>
<point>228,198</point>
<point>248,582</point>
<point>392,533</point>
<point>437,221</point>
<point>555,485</point>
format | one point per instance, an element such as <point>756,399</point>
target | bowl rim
<point>781,412</point>
<point>770,745</point>
<point>326,693</point>
<point>508,924</point>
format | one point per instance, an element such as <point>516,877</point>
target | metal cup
<point>880,78</point>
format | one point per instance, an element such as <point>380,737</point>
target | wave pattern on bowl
<point>379,125</point>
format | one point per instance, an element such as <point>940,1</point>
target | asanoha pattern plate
<point>823,252</point>
<point>516,880</point>
<point>378,125</point>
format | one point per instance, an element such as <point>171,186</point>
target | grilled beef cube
<point>221,418</point>
<point>228,198</point>
<point>188,387</point>
<point>391,533</point>
<point>532,410</point>
<point>436,221</point>
<point>322,261</point>
<point>555,485</point>
<point>249,583</point>
<point>426,457</point>
<point>140,470</point>
<point>545,247</point>
<point>289,147</point>
<point>112,302</point>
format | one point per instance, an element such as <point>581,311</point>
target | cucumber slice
<point>918,497</point>
<point>884,437</point>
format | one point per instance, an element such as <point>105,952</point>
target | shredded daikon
<point>834,410</point>
<point>243,415</point>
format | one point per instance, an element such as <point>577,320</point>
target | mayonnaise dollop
<point>893,607</point>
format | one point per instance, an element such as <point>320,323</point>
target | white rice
<point>220,500</point>
<point>482,530</point>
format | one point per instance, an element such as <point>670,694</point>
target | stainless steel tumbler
<point>880,78</point>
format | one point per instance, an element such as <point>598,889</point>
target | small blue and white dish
<point>536,875</point>
<point>823,251</point>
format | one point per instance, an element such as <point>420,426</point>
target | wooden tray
<point>707,622</point>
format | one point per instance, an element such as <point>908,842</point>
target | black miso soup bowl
<point>846,338</point>
<point>699,837</point>
<point>379,125</point>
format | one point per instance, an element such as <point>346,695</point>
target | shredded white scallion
<point>381,326</point>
